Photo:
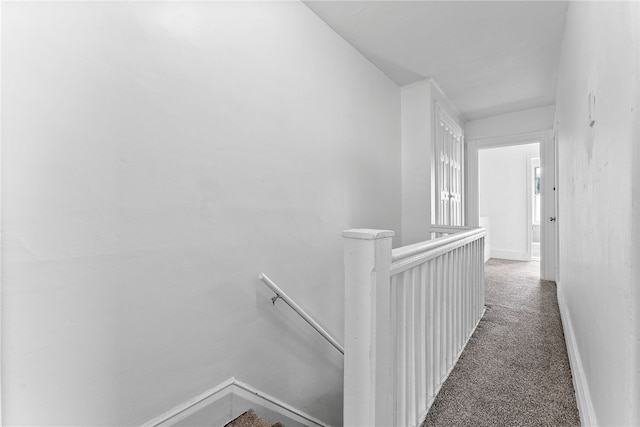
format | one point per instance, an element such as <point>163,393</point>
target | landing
<point>515,369</point>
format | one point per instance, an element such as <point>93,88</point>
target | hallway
<point>158,156</point>
<point>515,369</point>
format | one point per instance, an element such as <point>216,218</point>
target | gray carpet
<point>515,369</point>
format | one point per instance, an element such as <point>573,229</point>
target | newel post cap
<point>367,234</point>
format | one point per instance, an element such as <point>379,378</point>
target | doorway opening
<point>476,148</point>
<point>509,206</point>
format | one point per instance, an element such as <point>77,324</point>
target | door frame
<point>530,187</point>
<point>548,229</point>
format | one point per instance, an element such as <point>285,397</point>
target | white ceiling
<point>488,57</point>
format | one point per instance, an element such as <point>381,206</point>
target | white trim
<point>430,81</point>
<point>513,255</point>
<point>260,398</point>
<point>580,384</point>
<point>449,105</point>
<point>442,114</point>
<point>509,140</point>
<point>234,387</point>
<point>419,83</point>
<point>192,405</point>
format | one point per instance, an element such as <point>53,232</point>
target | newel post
<point>368,380</point>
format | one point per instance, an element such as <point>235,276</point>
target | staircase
<point>251,419</point>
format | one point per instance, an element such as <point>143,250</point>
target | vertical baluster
<point>402,350</point>
<point>422,340</point>
<point>459,308</point>
<point>409,284</point>
<point>431,277</point>
<point>467,275</point>
<point>473,279</point>
<point>463,295</point>
<point>467,285</point>
<point>482,272</point>
<point>444,324</point>
<point>477,268</point>
<point>480,278</point>
<point>458,302</point>
<point>450,312</point>
<point>454,308</point>
<point>437,320</point>
<point>464,291</point>
<point>452,345</point>
<point>396,340</point>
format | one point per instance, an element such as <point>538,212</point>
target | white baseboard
<point>583,397</point>
<point>225,402</point>
<point>512,255</point>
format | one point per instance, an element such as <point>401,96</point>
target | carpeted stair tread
<point>251,419</point>
<point>515,368</point>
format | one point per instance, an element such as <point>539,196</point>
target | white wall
<point>418,135</point>
<point>599,189</point>
<point>417,150</point>
<point>156,158</point>
<point>503,197</point>
<point>533,120</point>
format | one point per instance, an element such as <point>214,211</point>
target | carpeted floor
<point>250,419</point>
<point>514,370</point>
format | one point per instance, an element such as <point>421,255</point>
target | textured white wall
<point>417,150</point>
<point>503,197</point>
<point>156,158</point>
<point>598,211</point>
<point>533,120</point>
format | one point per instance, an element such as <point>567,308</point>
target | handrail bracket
<point>307,318</point>
<point>274,299</point>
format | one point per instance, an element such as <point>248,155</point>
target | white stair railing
<point>409,313</point>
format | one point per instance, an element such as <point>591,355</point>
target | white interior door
<point>549,217</point>
<point>449,155</point>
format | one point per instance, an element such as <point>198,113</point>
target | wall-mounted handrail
<point>291,303</point>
